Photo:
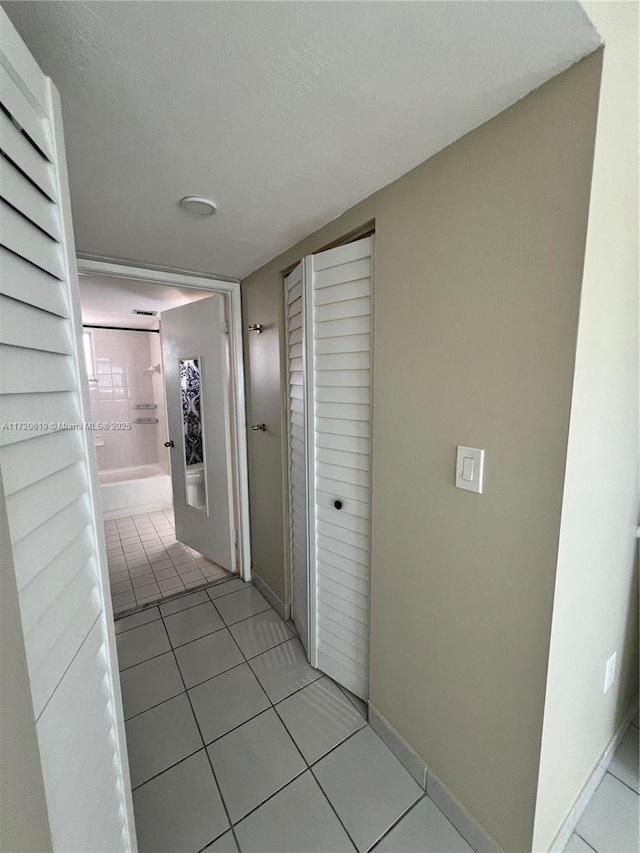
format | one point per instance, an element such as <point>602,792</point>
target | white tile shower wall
<point>157,382</point>
<point>121,361</point>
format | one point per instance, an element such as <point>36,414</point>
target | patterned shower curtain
<point>190,386</point>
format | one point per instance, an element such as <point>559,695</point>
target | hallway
<point>236,743</point>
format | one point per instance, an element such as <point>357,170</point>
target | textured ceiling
<point>286,114</point>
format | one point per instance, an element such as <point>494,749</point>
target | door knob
<point>257,427</point>
<point>169,444</point>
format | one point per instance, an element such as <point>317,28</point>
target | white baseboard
<point>468,827</point>
<point>280,607</point>
<point>409,759</point>
<point>575,812</point>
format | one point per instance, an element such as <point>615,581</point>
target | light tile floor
<point>237,744</point>
<point>146,563</point>
<point>610,821</point>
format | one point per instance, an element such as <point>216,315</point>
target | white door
<point>337,370</point>
<point>194,353</point>
<point>297,431</point>
<point>50,475</point>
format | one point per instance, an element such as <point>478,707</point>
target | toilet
<point>196,493</point>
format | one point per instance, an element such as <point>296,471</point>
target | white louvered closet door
<point>297,431</point>
<point>341,283</point>
<point>50,477</point>
<point>336,339</point>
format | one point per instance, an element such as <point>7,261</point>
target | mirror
<point>194,450</point>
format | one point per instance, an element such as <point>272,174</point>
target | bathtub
<point>128,491</point>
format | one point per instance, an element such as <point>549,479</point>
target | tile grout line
<point>153,657</point>
<point>225,624</point>
<point>168,600</point>
<point>333,748</point>
<point>423,796</point>
<point>324,793</point>
<point>216,630</point>
<point>155,602</point>
<point>590,846</point>
<point>307,765</point>
<point>208,757</point>
<point>322,790</point>
<point>151,708</point>
<point>223,672</point>
<point>209,633</point>
<point>270,797</point>
<point>171,766</point>
<point>272,706</point>
<point>136,533</point>
<point>618,779</point>
<point>310,767</point>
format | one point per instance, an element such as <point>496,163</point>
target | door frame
<point>231,289</point>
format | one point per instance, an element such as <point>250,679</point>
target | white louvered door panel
<point>50,477</point>
<point>297,431</point>
<point>341,285</point>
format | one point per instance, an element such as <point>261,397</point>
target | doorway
<point>164,358</point>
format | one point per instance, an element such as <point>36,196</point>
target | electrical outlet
<point>609,671</point>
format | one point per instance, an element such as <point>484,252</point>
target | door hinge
<point>225,327</point>
<point>236,537</point>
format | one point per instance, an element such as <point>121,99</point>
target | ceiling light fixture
<point>197,205</point>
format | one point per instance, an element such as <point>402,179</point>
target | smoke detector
<point>144,313</point>
<point>198,206</point>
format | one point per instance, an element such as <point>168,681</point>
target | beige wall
<point>596,598</point>
<point>261,303</point>
<point>479,256</point>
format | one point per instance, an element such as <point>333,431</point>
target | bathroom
<point>148,558</point>
<point>129,419</point>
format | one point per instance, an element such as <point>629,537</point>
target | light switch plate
<point>470,469</point>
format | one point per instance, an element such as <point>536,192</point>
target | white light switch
<point>469,469</point>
